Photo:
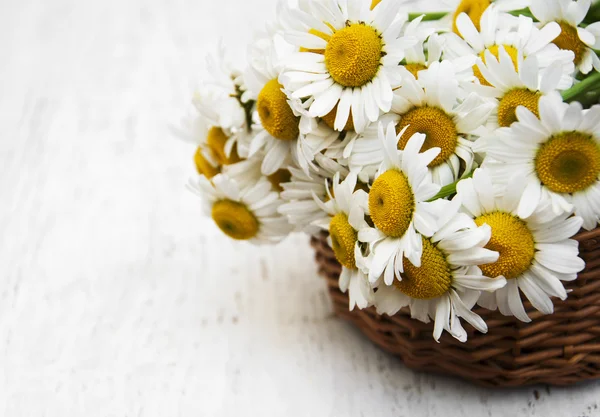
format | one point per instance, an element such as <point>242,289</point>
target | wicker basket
<point>559,349</point>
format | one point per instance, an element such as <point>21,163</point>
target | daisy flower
<point>557,156</point>
<point>573,37</point>
<point>513,88</point>
<point>347,217</point>
<point>433,106</point>
<point>447,282</point>
<point>247,172</point>
<point>232,111</point>
<point>398,205</point>
<point>304,195</point>
<point>242,213</point>
<point>428,48</point>
<point>536,253</point>
<point>523,40</point>
<point>216,145</point>
<point>318,136</point>
<point>276,122</point>
<point>348,58</point>
<point>218,120</point>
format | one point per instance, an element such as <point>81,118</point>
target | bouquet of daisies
<point>450,156</point>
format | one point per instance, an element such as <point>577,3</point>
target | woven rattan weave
<point>558,349</point>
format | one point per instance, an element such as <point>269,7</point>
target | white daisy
<point>448,282</point>
<point>304,195</point>
<point>218,122</point>
<point>318,136</point>
<point>248,171</point>
<point>427,50</point>
<point>536,253</point>
<point>573,37</point>
<point>513,88</point>
<point>398,205</point>
<point>276,122</point>
<point>524,40</point>
<point>242,213</point>
<point>432,106</point>
<point>557,156</point>
<point>349,55</point>
<point>216,146</point>
<point>232,113</point>
<point>347,217</point>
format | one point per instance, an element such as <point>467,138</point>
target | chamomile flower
<point>513,88</point>
<point>573,37</point>
<point>536,252</point>
<point>348,57</point>
<point>520,42</point>
<point>318,136</point>
<point>447,282</point>
<point>247,172</point>
<point>276,123</point>
<point>217,122</point>
<point>346,212</point>
<point>428,48</point>
<point>216,145</point>
<point>231,113</point>
<point>557,156</point>
<point>398,205</point>
<point>242,213</point>
<point>304,195</point>
<point>433,106</point>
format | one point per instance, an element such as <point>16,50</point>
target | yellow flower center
<point>513,240</point>
<point>216,141</point>
<point>353,55</point>
<point>474,9</point>
<point>329,120</point>
<point>279,177</point>
<point>343,240</point>
<point>495,50</point>
<point>275,113</point>
<point>235,219</point>
<point>203,166</point>
<point>568,162</point>
<point>436,125</point>
<point>392,203</point>
<point>569,39</point>
<point>431,280</point>
<point>415,68</point>
<point>507,108</point>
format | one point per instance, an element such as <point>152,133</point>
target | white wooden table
<point>117,298</point>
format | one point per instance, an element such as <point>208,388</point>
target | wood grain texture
<point>117,298</point>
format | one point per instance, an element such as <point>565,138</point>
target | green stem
<point>427,16</point>
<point>590,83</point>
<point>450,189</point>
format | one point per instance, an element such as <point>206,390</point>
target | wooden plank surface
<point>117,298</point>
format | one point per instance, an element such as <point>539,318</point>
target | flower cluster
<point>451,157</point>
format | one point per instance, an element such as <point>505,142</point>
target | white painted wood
<point>116,297</point>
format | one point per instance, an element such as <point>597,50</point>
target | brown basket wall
<point>559,349</point>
